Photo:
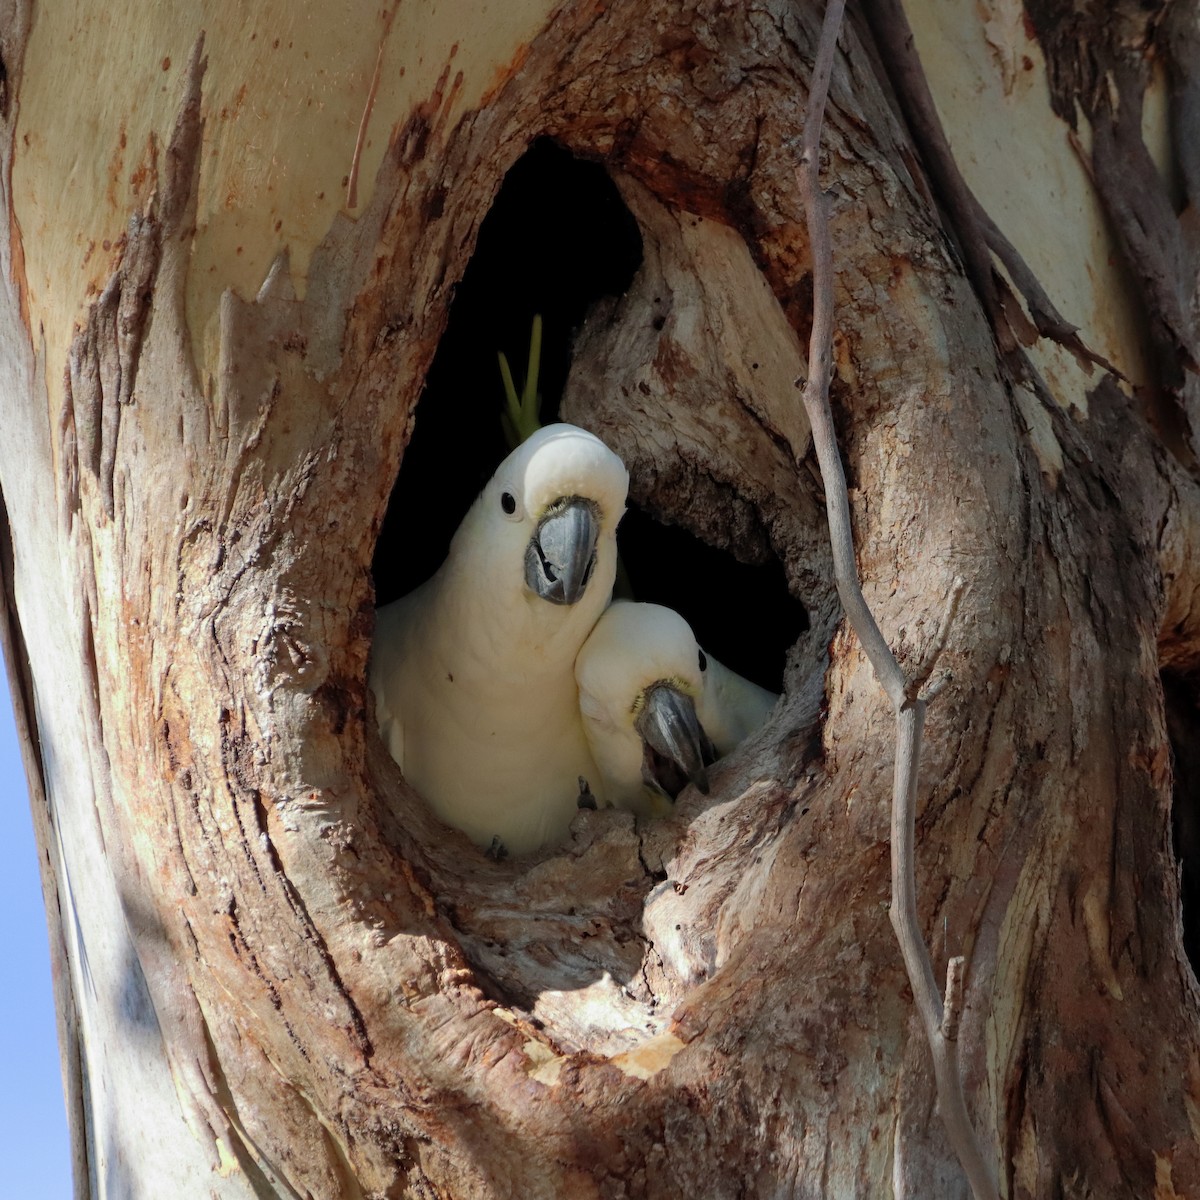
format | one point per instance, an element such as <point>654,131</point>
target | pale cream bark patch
<point>988,77</point>
<point>284,84</point>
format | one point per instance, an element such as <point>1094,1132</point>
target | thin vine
<point>910,698</point>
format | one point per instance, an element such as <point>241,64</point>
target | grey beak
<point>560,556</point>
<point>677,749</point>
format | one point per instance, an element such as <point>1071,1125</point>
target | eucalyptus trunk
<point>231,249</point>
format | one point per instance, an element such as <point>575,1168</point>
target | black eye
<point>508,502</point>
<point>703,662</point>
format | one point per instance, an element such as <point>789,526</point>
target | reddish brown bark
<point>353,999</point>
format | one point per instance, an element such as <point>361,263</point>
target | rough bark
<point>262,920</point>
<point>1100,61</point>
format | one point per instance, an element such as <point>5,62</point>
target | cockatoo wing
<point>731,707</point>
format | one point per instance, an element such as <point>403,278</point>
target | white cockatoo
<point>656,709</point>
<point>730,706</point>
<point>473,671</point>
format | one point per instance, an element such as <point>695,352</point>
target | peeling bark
<point>343,998</point>
<point>1101,58</point>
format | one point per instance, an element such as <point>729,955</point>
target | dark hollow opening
<point>1182,698</point>
<point>557,239</point>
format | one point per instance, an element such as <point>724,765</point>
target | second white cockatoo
<point>657,711</point>
<point>731,707</point>
<point>473,671</point>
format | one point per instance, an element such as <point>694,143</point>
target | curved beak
<point>561,554</point>
<point>676,748</point>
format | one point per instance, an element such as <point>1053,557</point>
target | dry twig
<point>940,1022</point>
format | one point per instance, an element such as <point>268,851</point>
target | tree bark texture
<point>267,940</point>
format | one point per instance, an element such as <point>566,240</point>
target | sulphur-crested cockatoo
<point>473,671</point>
<point>730,706</point>
<point>648,695</point>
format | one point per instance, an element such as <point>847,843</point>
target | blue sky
<point>33,1123</point>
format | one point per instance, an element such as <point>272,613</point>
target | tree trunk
<point>214,358</point>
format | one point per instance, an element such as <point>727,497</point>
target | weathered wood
<point>269,931</point>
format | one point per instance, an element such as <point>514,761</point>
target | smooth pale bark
<point>278,975</point>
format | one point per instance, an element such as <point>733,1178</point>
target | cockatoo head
<point>639,675</point>
<point>551,510</point>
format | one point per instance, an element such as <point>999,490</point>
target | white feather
<point>472,672</point>
<point>731,707</point>
<point>633,647</point>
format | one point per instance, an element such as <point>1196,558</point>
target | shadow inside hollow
<point>557,238</point>
<point>560,937</point>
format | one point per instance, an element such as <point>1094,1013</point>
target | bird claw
<point>585,798</point>
<point>497,851</point>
